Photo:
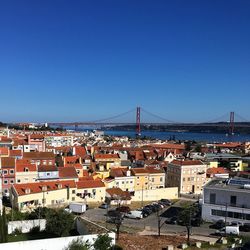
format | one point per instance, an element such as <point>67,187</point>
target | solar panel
<point>241,182</point>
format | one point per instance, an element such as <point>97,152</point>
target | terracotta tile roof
<point>36,136</point>
<point>20,166</point>
<point>168,146</point>
<point>16,152</point>
<point>117,172</point>
<point>155,170</point>
<point>217,171</point>
<point>89,184</point>
<point>37,186</point>
<point>71,159</point>
<point>4,151</point>
<point>86,178</point>
<point>69,172</point>
<point>187,162</point>
<point>39,155</point>
<point>5,139</point>
<point>117,192</point>
<point>229,145</point>
<point>106,156</point>
<point>47,168</point>
<point>80,151</point>
<point>75,165</point>
<point>8,162</point>
<point>136,171</point>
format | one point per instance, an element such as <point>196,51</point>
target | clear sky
<point>87,60</point>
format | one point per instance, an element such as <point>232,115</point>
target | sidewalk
<point>193,237</point>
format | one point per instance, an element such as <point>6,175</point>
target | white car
<point>134,214</point>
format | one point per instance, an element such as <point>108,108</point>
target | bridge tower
<point>231,124</point>
<point>138,121</point>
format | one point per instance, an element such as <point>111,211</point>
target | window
<point>233,199</point>
<point>161,179</point>
<point>5,182</point>
<point>11,181</point>
<point>18,181</point>
<point>153,179</point>
<point>73,198</point>
<point>12,171</point>
<point>5,171</point>
<point>188,178</point>
<point>73,191</point>
<point>212,198</point>
<point>131,182</point>
<point>183,179</point>
<point>48,174</point>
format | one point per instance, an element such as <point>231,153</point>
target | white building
<point>226,199</point>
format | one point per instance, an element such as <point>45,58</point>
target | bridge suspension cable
<point>241,118</point>
<point>114,117</point>
<point>158,117</point>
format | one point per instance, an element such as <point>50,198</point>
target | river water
<point>207,137</point>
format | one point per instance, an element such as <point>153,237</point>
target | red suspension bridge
<point>229,121</point>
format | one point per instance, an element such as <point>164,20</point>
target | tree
<point>59,222</point>
<point>78,245</point>
<point>159,222</point>
<point>185,219</point>
<point>103,242</point>
<point>3,227</point>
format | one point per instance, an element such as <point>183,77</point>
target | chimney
<point>128,173</point>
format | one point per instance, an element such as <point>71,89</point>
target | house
<point>26,172</point>
<point>8,166</point>
<point>90,191</point>
<point>4,152</point>
<point>36,142</point>
<point>228,199</point>
<point>116,196</point>
<point>141,178</point>
<point>123,179</point>
<point>225,160</point>
<point>40,158</point>
<point>156,176</point>
<point>108,160</point>
<point>47,172</point>
<point>67,173</point>
<point>28,196</point>
<point>189,176</point>
<point>58,140</point>
<point>217,173</point>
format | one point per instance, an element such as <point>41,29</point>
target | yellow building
<point>90,191</point>
<point>28,196</point>
<point>141,178</point>
<point>156,177</point>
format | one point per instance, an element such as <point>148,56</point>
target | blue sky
<point>87,60</point>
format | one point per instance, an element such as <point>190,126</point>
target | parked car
<point>172,220</point>
<point>245,228</point>
<point>166,201</point>
<point>114,220</point>
<point>218,224</point>
<point>104,206</point>
<point>134,214</point>
<point>246,246</point>
<point>146,211</point>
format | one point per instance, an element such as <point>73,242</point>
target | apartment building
<point>189,176</point>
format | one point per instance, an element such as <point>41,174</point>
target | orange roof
<point>139,171</point>
<point>37,186</point>
<point>16,152</point>
<point>107,156</point>
<point>217,171</point>
<point>155,170</point>
<point>229,145</point>
<point>21,166</point>
<point>80,151</point>
<point>168,146</point>
<point>4,151</point>
<point>39,155</point>
<point>75,165</point>
<point>114,192</point>
<point>8,162</point>
<point>89,184</point>
<point>187,162</point>
<point>69,172</point>
<point>47,168</point>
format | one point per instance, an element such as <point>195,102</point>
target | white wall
<point>50,244</point>
<point>156,194</point>
<point>26,225</point>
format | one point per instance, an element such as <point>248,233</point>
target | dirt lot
<point>139,242</point>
